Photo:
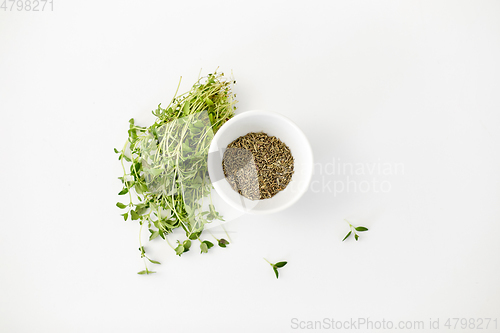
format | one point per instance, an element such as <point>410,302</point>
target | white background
<point>368,82</point>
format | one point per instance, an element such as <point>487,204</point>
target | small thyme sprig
<point>276,266</point>
<point>353,230</point>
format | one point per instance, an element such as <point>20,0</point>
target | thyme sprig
<point>353,229</point>
<point>167,179</point>
<point>276,266</point>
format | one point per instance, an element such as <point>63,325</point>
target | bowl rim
<point>308,151</point>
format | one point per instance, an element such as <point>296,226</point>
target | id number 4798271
<point>27,5</point>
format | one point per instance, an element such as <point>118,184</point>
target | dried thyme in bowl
<point>257,165</point>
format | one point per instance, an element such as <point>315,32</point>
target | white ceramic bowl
<point>272,124</point>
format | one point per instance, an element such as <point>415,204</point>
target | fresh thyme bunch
<point>168,165</point>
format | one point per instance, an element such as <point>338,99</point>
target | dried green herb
<point>353,229</point>
<point>257,165</point>
<point>168,164</point>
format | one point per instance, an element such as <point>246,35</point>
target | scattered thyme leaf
<point>187,245</point>
<point>179,250</point>
<point>154,234</point>
<point>134,215</point>
<point>203,248</point>
<point>146,271</point>
<point>222,242</point>
<point>120,205</point>
<point>209,244</point>
<point>154,261</point>
<point>348,234</point>
<point>280,264</point>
